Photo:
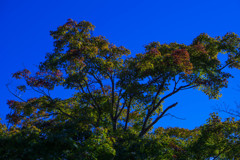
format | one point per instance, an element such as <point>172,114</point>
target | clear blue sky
<point>25,39</point>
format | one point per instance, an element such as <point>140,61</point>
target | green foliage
<point>116,100</point>
<point>216,139</point>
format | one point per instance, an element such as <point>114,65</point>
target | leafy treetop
<point>114,91</point>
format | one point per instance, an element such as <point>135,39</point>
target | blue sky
<point>25,38</point>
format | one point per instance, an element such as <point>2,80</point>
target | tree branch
<point>15,94</point>
<point>145,130</point>
<point>128,111</point>
<point>89,92</point>
<point>150,112</point>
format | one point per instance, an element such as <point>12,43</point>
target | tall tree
<point>115,91</point>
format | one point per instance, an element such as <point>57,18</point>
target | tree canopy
<point>117,99</point>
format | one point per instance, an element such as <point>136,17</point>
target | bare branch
<point>145,130</point>
<point>15,94</point>
<point>168,114</point>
